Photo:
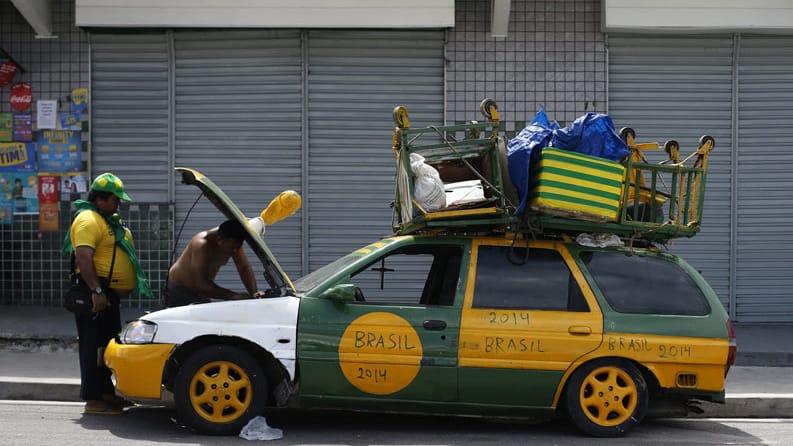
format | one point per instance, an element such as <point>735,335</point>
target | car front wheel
<point>219,389</point>
<point>606,398</point>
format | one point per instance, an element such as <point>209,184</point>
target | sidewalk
<point>38,361</point>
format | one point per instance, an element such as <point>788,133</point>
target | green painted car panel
<point>710,325</point>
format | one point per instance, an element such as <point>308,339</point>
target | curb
<point>764,359</point>
<point>750,405</point>
<point>39,389</point>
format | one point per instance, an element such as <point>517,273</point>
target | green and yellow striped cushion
<point>574,185</point>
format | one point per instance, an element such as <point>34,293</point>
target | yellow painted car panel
<point>138,368</point>
<point>669,356</point>
<point>527,339</point>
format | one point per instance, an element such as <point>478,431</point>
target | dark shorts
<point>176,296</point>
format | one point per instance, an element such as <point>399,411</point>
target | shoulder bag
<point>78,297</point>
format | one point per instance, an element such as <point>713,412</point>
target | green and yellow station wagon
<point>459,312</point>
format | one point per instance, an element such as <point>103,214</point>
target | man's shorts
<point>176,296</point>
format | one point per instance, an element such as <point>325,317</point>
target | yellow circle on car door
<point>380,353</point>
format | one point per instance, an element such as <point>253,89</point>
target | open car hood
<point>276,277</point>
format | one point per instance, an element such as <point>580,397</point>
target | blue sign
<point>59,150</point>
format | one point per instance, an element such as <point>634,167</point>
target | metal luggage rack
<point>458,152</point>
<point>668,204</point>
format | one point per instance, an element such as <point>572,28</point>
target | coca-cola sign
<point>21,96</point>
<point>7,71</point>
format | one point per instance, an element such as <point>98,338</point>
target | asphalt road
<point>43,423</point>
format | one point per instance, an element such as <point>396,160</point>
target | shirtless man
<point>192,278</point>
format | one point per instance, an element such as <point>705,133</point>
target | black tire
<point>219,389</point>
<point>484,107</point>
<point>670,145</point>
<point>625,131</point>
<point>606,397</point>
<point>705,138</point>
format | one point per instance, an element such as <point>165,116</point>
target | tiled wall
<point>54,66</point>
<point>32,269</point>
<point>554,55</point>
<point>34,272</point>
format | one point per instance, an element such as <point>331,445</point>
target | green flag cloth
<point>142,284</point>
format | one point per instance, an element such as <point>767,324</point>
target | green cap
<point>110,183</point>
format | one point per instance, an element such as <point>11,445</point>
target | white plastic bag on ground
<point>428,189</point>
<point>257,429</point>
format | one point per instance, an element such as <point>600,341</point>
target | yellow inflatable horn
<point>282,206</point>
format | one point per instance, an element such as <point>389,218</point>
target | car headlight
<point>139,332</point>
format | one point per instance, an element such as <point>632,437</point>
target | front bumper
<point>138,369</point>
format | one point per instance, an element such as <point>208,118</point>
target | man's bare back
<point>197,267</point>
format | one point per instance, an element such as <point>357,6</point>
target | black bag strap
<point>112,263</point>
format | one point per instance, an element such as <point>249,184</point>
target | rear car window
<point>537,279</point>
<point>645,285</point>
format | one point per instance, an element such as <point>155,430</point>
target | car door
<point>398,341</point>
<point>528,314</point>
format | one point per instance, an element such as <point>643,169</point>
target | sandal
<point>117,401</point>
<point>102,408</point>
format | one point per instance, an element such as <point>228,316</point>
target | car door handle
<point>434,324</point>
<point>579,330</point>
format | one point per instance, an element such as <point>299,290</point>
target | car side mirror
<point>344,292</point>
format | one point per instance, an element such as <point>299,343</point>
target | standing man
<point>192,278</point>
<point>107,263</point>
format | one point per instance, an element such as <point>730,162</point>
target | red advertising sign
<point>48,188</point>
<point>48,203</point>
<point>7,71</point>
<point>21,96</point>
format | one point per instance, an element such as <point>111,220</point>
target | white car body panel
<point>270,323</point>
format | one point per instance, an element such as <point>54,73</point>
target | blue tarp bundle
<point>592,134</point>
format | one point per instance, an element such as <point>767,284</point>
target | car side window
<point>645,285</point>
<point>537,279</point>
<point>412,275</point>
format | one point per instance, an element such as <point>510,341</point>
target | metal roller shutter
<point>130,110</point>
<point>356,78</point>
<point>765,160</point>
<point>258,114</point>
<point>668,87</point>
<point>238,97</point>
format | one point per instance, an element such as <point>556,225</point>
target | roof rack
<point>570,193</point>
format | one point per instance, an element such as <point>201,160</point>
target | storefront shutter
<point>765,160</point>
<point>670,87</point>
<point>238,120</point>
<point>356,78</point>
<point>130,111</point>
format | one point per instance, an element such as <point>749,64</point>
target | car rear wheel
<point>606,398</point>
<point>219,389</point>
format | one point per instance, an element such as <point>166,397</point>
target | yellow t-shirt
<point>90,229</point>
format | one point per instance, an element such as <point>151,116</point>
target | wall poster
<point>59,150</point>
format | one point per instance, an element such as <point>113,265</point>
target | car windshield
<point>313,279</point>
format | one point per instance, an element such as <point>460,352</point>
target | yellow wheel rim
<point>220,392</point>
<point>608,396</point>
